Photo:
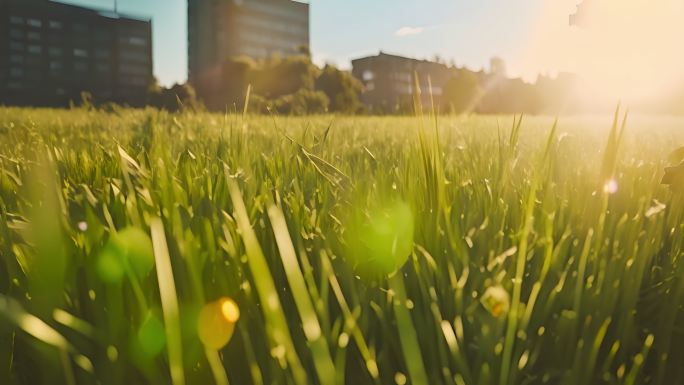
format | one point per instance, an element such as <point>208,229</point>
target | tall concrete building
<point>389,80</point>
<point>221,29</point>
<point>51,52</point>
<point>579,18</point>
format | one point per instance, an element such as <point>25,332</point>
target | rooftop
<point>109,13</point>
<point>399,57</point>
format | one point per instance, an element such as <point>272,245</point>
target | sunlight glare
<point>622,50</point>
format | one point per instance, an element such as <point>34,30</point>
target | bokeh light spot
<point>151,336</point>
<point>611,187</point>
<point>230,310</point>
<point>216,323</point>
<point>380,240</point>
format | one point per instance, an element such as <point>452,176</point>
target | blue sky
<point>469,32</point>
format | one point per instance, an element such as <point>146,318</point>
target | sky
<point>631,47</point>
<point>469,32</point>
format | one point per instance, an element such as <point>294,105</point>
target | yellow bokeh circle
<point>216,323</point>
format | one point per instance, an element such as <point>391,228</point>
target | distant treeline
<point>294,85</point>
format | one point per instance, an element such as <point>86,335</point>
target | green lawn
<point>141,247</point>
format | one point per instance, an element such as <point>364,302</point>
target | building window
<point>55,24</point>
<point>55,65</point>
<point>34,23</point>
<point>33,36</point>
<point>101,67</point>
<point>16,72</point>
<point>133,41</point>
<point>137,41</point>
<point>80,52</point>
<point>14,85</point>
<point>16,33</point>
<point>16,20</point>
<point>36,49</point>
<point>16,59</point>
<point>55,51</point>
<point>370,86</point>
<point>368,75</point>
<point>16,46</point>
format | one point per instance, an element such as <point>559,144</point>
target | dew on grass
<point>610,187</point>
<point>343,340</point>
<point>112,353</point>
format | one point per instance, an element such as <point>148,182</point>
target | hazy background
<point>629,50</point>
<point>469,32</point>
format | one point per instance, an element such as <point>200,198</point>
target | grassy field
<point>141,247</point>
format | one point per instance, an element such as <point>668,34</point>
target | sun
<point>625,50</point>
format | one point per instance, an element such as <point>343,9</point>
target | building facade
<point>221,29</point>
<point>51,52</point>
<point>390,81</point>
<point>580,17</point>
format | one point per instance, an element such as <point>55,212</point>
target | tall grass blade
<point>279,332</point>
<point>169,301</point>
<point>407,332</point>
<point>312,328</point>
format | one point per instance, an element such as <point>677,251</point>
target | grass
<point>541,252</point>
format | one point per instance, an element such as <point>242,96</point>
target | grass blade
<point>312,328</point>
<point>268,295</point>
<point>169,301</point>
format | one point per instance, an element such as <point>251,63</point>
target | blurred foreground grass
<point>141,247</point>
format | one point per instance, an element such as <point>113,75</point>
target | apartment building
<point>52,52</point>
<point>390,80</point>
<point>221,29</point>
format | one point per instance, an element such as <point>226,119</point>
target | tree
<point>236,73</point>
<point>461,92</point>
<point>290,85</point>
<point>341,88</point>
<point>302,102</point>
<point>178,97</point>
<point>283,76</point>
<point>306,102</point>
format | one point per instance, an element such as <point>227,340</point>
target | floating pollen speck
<point>496,300</point>
<point>216,323</point>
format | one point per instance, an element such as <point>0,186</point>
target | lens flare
<point>151,336</point>
<point>230,310</point>
<point>380,239</point>
<point>216,323</point>
<point>129,248</point>
<point>619,49</point>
